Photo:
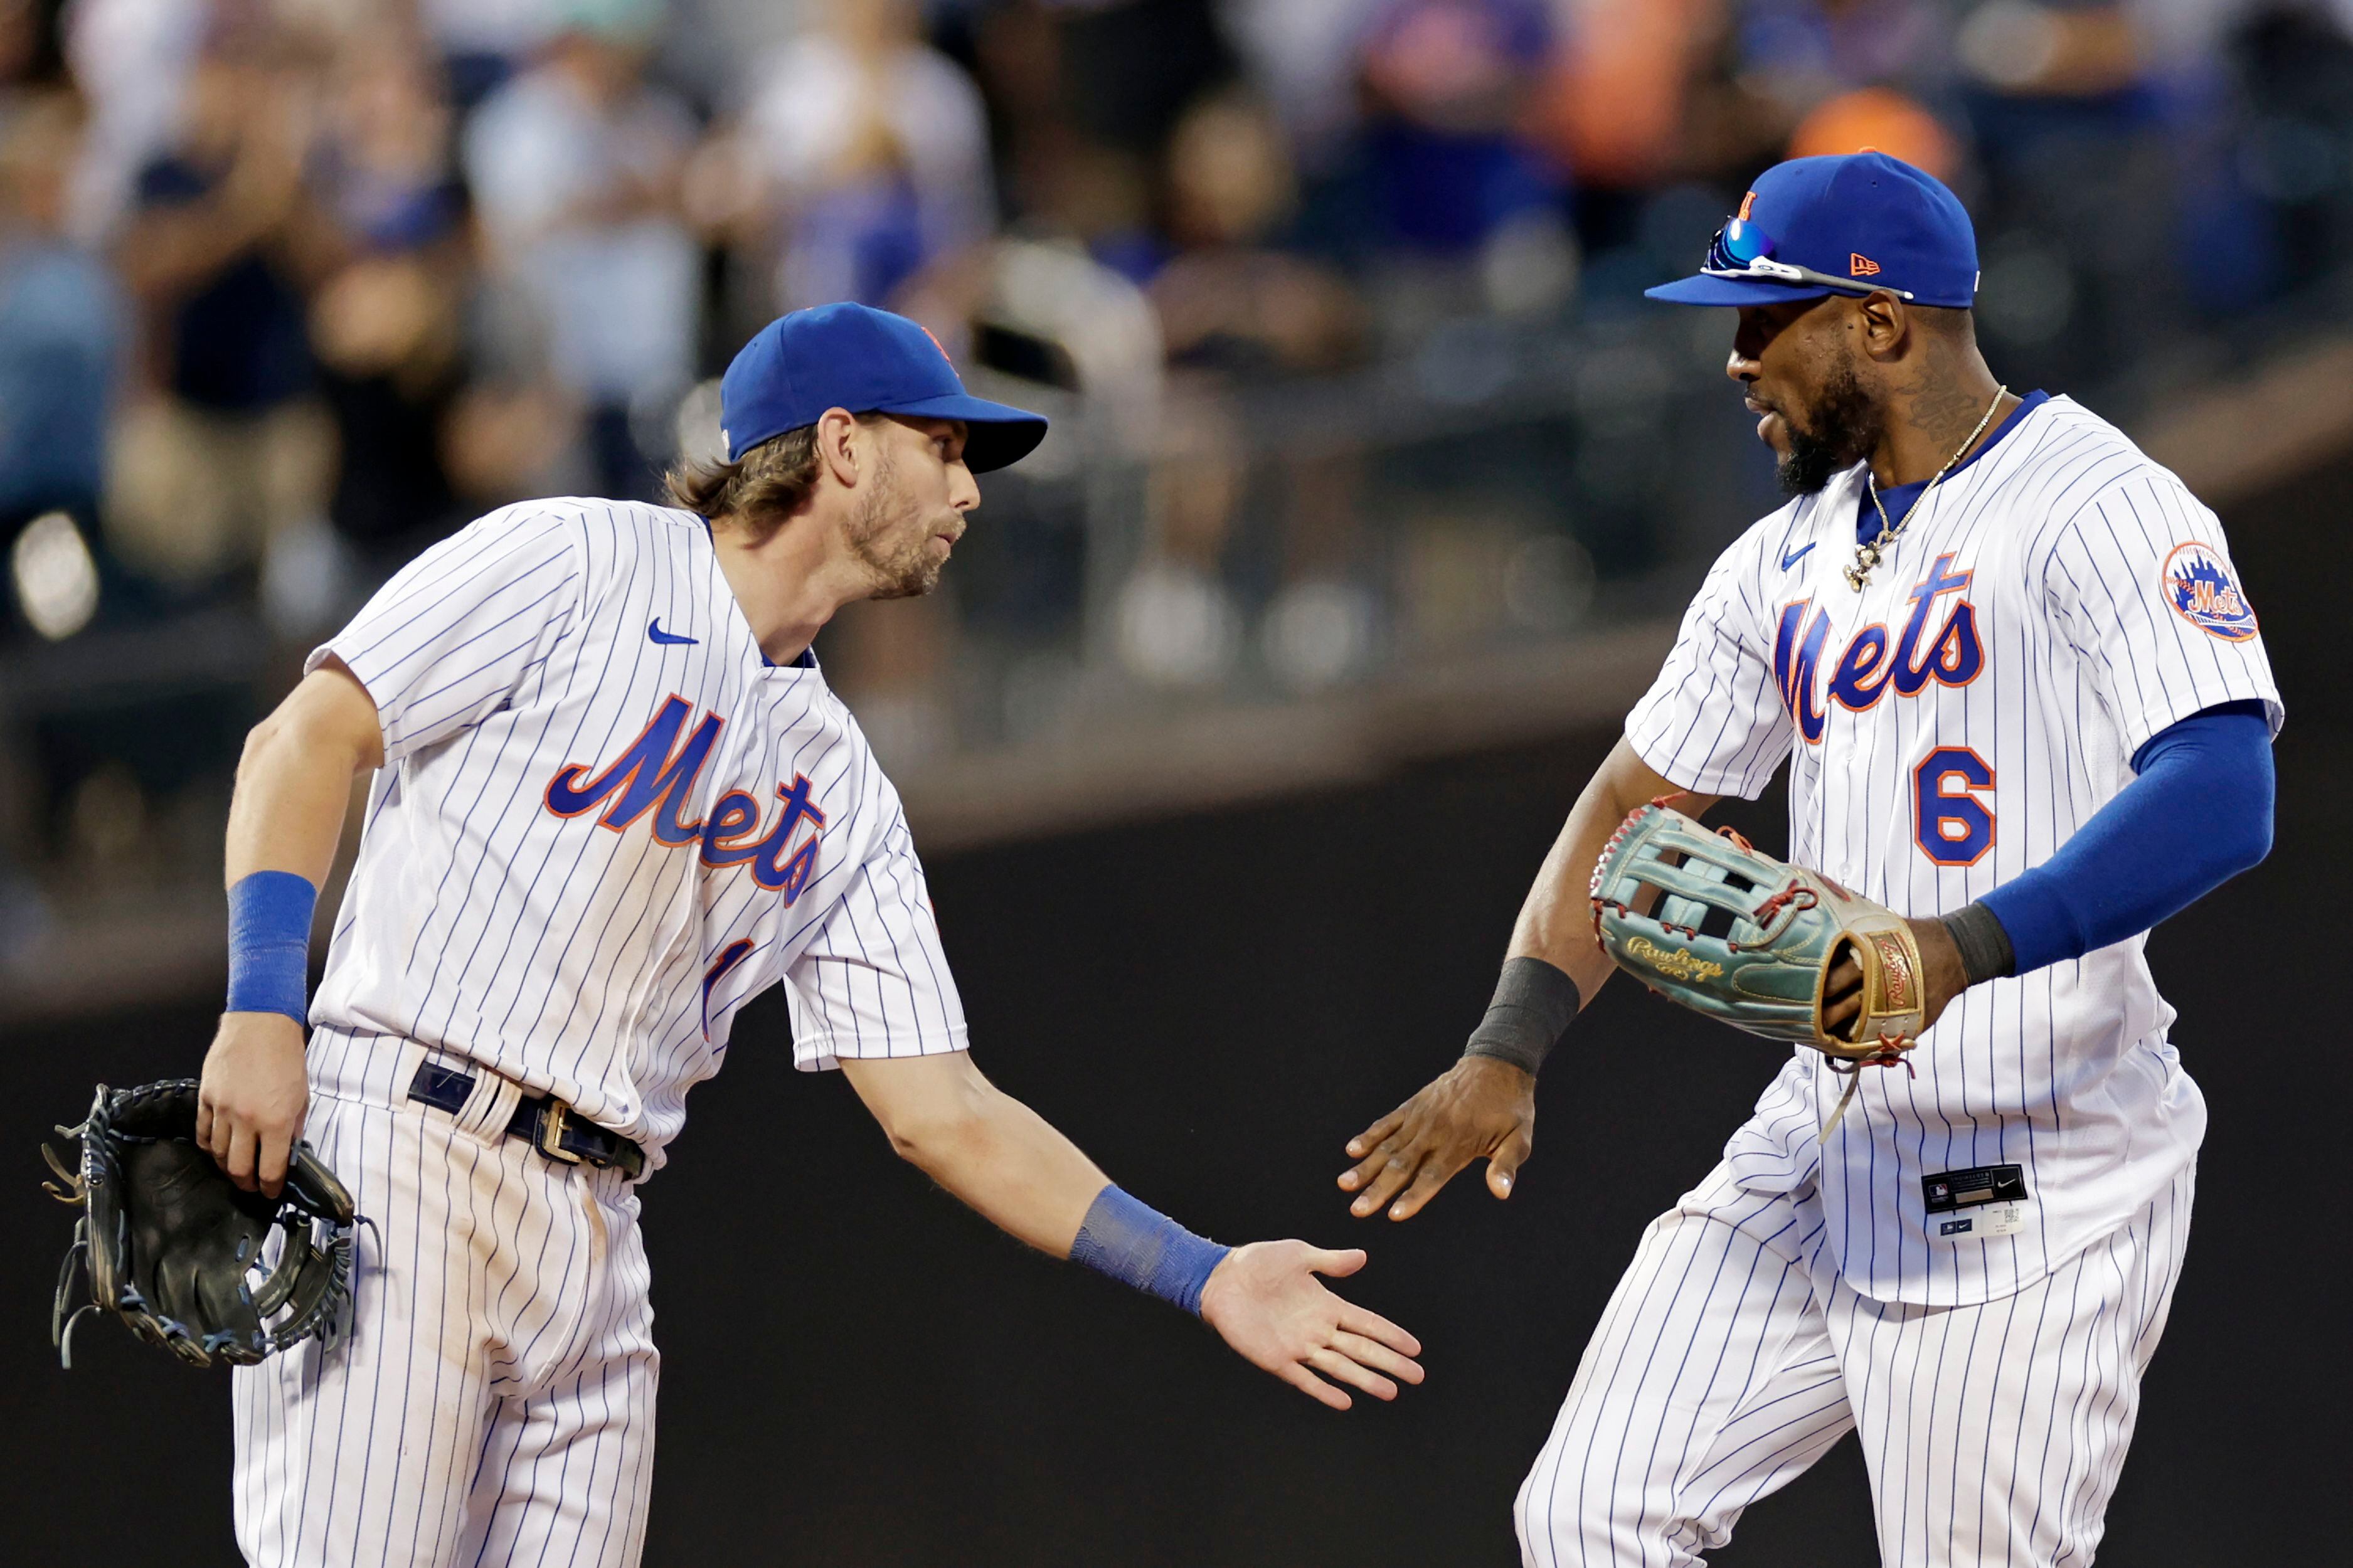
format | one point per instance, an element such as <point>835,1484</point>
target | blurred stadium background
<point>1249,704</point>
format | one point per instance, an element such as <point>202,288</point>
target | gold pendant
<point>1866,557</point>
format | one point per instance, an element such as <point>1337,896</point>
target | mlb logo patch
<point>2199,586</point>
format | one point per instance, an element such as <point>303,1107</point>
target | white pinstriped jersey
<point>2049,609</point>
<point>605,822</point>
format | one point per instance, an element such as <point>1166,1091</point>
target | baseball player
<point>614,800</point>
<point>2025,705</point>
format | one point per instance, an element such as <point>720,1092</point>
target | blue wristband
<point>270,944</point>
<point>1132,1242</point>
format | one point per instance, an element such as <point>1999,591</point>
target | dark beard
<point>1845,424</point>
<point>904,573</point>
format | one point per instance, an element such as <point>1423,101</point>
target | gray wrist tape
<point>1534,1004</point>
<point>1986,952</point>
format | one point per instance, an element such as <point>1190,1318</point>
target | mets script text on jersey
<point>656,773</point>
<point>1865,672</point>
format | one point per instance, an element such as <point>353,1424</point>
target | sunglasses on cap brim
<point>1741,249</point>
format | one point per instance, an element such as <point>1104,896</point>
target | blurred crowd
<point>288,289</point>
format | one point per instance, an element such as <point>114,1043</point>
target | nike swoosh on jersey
<point>653,630</point>
<point>1797,555</point>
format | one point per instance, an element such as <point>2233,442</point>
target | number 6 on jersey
<point>1951,825</point>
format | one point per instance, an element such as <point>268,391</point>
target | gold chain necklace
<point>1866,556</point>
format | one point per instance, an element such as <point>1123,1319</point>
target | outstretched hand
<point>1265,1301</point>
<point>1480,1108</point>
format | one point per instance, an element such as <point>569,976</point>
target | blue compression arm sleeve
<point>2200,813</point>
<point>1137,1244</point>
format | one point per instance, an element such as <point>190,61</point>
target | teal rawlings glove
<point>1740,936</point>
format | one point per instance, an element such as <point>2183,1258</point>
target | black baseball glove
<point>175,1249</point>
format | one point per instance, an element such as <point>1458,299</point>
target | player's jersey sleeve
<point>2141,582</point>
<point>874,981</point>
<point>1713,721</point>
<point>455,632</point>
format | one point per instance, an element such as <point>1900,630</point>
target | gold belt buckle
<point>551,1132</point>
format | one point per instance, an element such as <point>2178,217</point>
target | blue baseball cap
<point>1845,224</point>
<point>869,361</point>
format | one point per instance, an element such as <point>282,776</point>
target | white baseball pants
<point>494,1401</point>
<point>1993,1434</point>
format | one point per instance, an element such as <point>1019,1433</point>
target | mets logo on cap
<point>2201,588</point>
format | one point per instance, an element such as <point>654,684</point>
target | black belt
<point>546,1123</point>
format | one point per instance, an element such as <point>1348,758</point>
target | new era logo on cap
<point>1860,266</point>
